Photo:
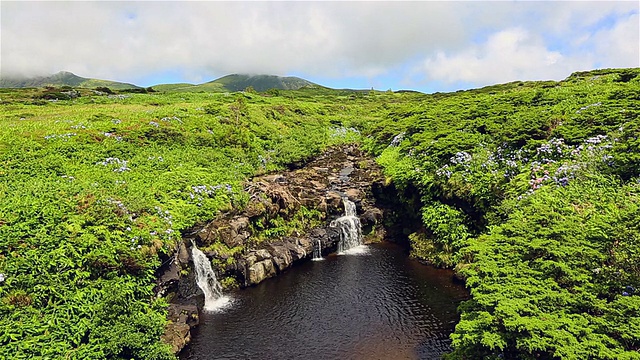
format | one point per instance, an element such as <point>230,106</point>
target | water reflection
<point>377,305</point>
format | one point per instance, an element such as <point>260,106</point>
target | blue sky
<point>427,46</point>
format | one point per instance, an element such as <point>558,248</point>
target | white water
<point>207,282</point>
<point>317,252</point>
<point>350,232</point>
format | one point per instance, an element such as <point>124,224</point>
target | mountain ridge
<point>240,82</point>
<point>230,83</point>
<point>62,78</point>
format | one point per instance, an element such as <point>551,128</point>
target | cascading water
<point>349,226</point>
<point>207,281</point>
<point>317,251</point>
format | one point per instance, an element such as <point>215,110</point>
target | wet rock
<point>306,245</point>
<point>372,216</point>
<point>353,194</point>
<point>168,281</point>
<point>183,254</point>
<point>178,331</point>
<point>177,336</point>
<point>334,201</point>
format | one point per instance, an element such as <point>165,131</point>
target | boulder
<point>372,216</point>
<point>177,336</point>
<point>354,194</point>
<point>256,207</point>
<point>260,270</point>
<point>262,254</point>
<point>239,224</point>
<point>281,256</point>
<point>297,248</point>
<point>183,254</point>
<point>275,178</point>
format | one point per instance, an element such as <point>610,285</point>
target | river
<point>378,304</point>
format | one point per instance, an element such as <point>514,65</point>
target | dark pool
<point>377,305</point>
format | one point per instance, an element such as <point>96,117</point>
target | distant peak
<point>66,73</point>
<point>261,82</point>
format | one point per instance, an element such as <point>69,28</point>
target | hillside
<point>63,78</point>
<point>529,190</point>
<point>238,82</point>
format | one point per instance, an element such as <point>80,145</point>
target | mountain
<point>239,82</point>
<point>229,83</point>
<point>63,78</point>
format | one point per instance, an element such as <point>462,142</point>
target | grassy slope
<point>531,191</point>
<point>93,189</point>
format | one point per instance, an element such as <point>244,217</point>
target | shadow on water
<point>376,305</point>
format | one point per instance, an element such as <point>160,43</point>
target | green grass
<point>94,189</point>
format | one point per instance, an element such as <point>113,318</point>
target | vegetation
<point>529,189</point>
<point>94,187</point>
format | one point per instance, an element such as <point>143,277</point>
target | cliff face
<point>288,216</point>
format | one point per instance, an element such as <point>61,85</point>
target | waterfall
<point>317,251</point>
<point>349,226</point>
<point>207,282</point>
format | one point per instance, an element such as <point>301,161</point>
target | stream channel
<point>371,304</point>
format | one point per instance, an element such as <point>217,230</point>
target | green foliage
<point>447,233</point>
<point>269,228</point>
<point>93,188</point>
<point>529,189</point>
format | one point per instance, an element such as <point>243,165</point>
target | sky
<point>427,46</point>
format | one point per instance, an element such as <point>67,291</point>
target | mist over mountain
<point>62,78</point>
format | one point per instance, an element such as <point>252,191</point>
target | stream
<point>370,304</point>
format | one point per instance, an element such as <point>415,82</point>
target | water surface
<point>374,304</point>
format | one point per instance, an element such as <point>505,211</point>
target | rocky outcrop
<point>178,331</point>
<point>320,186</point>
<point>245,242</point>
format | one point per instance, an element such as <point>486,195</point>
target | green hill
<point>63,78</point>
<point>239,82</point>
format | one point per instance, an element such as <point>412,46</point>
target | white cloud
<point>481,42</point>
<point>620,44</point>
<point>507,55</point>
<point>104,38</point>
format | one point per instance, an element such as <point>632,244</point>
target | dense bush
<point>531,191</point>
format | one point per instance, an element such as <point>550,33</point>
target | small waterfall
<point>207,281</point>
<point>317,251</point>
<point>349,225</point>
